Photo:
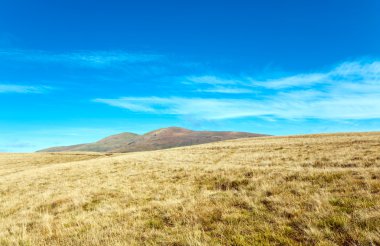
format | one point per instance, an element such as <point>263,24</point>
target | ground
<point>299,190</point>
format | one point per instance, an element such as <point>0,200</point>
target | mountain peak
<point>166,130</point>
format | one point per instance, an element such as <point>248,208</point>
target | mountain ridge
<point>162,138</point>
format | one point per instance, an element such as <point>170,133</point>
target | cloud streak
<point>350,90</point>
<point>359,72</point>
<point>80,58</point>
<point>207,79</point>
<point>285,106</point>
<point>226,90</point>
<point>24,89</point>
<point>214,84</point>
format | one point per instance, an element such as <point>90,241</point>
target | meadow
<point>297,190</point>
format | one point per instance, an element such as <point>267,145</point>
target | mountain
<point>159,139</point>
<point>105,145</point>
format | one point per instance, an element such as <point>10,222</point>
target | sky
<point>77,71</point>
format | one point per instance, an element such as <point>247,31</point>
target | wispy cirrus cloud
<point>79,58</point>
<point>214,84</point>
<point>285,106</point>
<point>226,90</point>
<point>350,90</point>
<point>25,89</point>
<point>359,72</point>
<point>367,72</point>
<point>209,79</point>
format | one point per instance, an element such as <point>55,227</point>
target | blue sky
<point>77,71</point>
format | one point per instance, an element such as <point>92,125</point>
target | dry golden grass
<point>301,190</point>
<point>13,163</point>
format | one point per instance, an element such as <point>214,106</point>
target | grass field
<point>300,190</point>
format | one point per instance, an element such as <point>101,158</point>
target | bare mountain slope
<point>159,139</point>
<point>104,145</point>
<point>177,137</point>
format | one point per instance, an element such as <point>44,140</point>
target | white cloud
<point>226,90</point>
<point>82,58</point>
<point>293,81</point>
<point>348,72</point>
<point>287,106</point>
<point>348,91</point>
<point>367,72</point>
<point>10,88</point>
<point>212,80</point>
<point>205,108</point>
<point>215,84</point>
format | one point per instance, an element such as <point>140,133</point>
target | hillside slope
<point>104,145</point>
<point>159,139</point>
<point>300,190</point>
<point>177,137</point>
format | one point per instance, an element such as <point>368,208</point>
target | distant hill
<point>159,139</point>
